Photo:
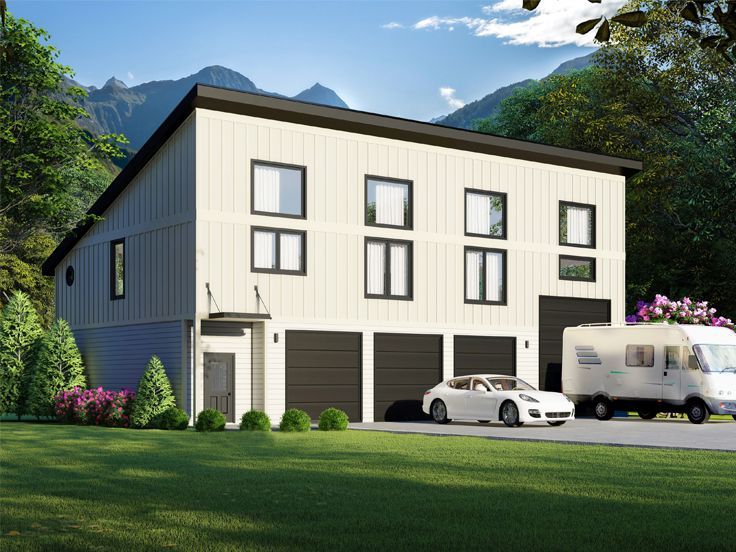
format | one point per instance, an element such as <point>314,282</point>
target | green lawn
<point>65,487</point>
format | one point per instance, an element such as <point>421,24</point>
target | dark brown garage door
<point>406,365</point>
<point>556,314</point>
<point>323,370</point>
<point>479,354</point>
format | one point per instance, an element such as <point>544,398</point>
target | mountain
<point>136,111</point>
<point>488,105</point>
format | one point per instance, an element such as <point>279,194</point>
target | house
<point>282,254</point>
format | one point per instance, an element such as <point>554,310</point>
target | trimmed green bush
<point>20,333</point>
<point>172,418</point>
<point>255,420</point>
<point>58,368</point>
<point>153,396</point>
<point>210,420</point>
<point>333,419</point>
<point>295,420</point>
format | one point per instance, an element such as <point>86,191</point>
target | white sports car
<point>487,397</point>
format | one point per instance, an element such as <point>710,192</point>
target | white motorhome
<point>651,368</point>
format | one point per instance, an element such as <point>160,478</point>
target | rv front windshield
<point>716,358</point>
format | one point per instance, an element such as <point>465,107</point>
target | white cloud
<point>448,94</point>
<point>552,24</point>
<point>131,76</point>
<point>392,25</point>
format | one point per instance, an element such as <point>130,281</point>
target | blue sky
<point>398,58</point>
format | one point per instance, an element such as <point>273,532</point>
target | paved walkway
<point>658,433</point>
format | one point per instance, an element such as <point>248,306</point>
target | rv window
<point>673,357</point>
<point>640,355</point>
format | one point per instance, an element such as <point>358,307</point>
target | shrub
<point>172,418</point>
<point>154,394</point>
<point>255,420</point>
<point>210,420</point>
<point>58,367</point>
<point>94,407</point>
<point>333,419</point>
<point>295,420</point>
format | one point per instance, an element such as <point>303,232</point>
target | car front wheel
<point>557,423</point>
<point>697,412</point>
<point>510,414</point>
<point>603,409</point>
<point>439,412</point>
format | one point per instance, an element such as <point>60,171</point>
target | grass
<point>66,487</point>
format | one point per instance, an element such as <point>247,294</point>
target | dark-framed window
<point>388,202</point>
<point>69,276</point>
<point>117,269</point>
<point>388,269</point>
<point>577,224</point>
<point>278,251</point>
<point>485,276</point>
<point>580,269</point>
<point>485,214</point>
<point>278,189</point>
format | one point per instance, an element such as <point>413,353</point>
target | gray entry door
<point>219,371</point>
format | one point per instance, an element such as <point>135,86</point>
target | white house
<point>281,254</point>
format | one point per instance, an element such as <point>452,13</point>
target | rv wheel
<point>647,415</point>
<point>603,409</point>
<point>697,412</point>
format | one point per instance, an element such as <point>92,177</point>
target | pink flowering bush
<point>94,407</point>
<point>685,311</point>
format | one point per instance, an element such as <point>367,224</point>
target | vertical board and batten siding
<point>235,338</point>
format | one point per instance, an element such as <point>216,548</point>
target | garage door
<point>478,354</point>
<point>556,314</point>
<point>405,365</point>
<point>323,370</point>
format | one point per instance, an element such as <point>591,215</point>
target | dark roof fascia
<point>240,315</point>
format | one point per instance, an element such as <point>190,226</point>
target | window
<point>640,355</point>
<point>278,189</point>
<point>485,276</point>
<point>485,214</point>
<point>577,224</point>
<point>581,269</point>
<point>388,202</point>
<point>117,269</point>
<point>388,269</point>
<point>674,357</point>
<point>459,384</point>
<point>69,275</point>
<point>278,251</point>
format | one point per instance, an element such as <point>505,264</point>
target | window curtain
<point>291,252</point>
<point>474,275</point>
<point>478,210</point>
<point>266,189</point>
<point>399,269</point>
<point>390,203</point>
<point>494,276</point>
<point>376,269</point>
<point>264,250</point>
<point>578,225</point>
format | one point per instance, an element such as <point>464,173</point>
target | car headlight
<point>527,398</point>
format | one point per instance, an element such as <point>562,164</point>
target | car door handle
<point>665,373</point>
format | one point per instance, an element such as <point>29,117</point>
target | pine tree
<point>154,394</point>
<point>20,333</point>
<point>58,368</point>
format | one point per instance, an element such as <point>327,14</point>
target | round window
<point>69,275</point>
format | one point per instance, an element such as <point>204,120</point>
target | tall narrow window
<point>278,189</point>
<point>388,202</point>
<point>485,214</point>
<point>485,276</point>
<point>577,224</point>
<point>117,269</point>
<point>278,251</point>
<point>388,269</point>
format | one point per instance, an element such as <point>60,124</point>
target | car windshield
<point>509,384</point>
<point>716,358</point>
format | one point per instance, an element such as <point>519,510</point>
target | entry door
<point>219,371</point>
<point>675,357</point>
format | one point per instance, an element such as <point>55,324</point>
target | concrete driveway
<point>658,433</point>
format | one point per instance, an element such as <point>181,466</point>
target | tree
<point>20,332</point>
<point>153,396</point>
<point>58,367</point>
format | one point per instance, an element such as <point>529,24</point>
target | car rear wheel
<point>603,409</point>
<point>647,414</point>
<point>697,412</point>
<point>510,414</point>
<point>557,423</point>
<point>439,412</point>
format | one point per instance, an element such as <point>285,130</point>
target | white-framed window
<point>278,189</point>
<point>388,202</point>
<point>278,250</point>
<point>485,214</point>
<point>388,269</point>
<point>485,276</point>
<point>577,224</point>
